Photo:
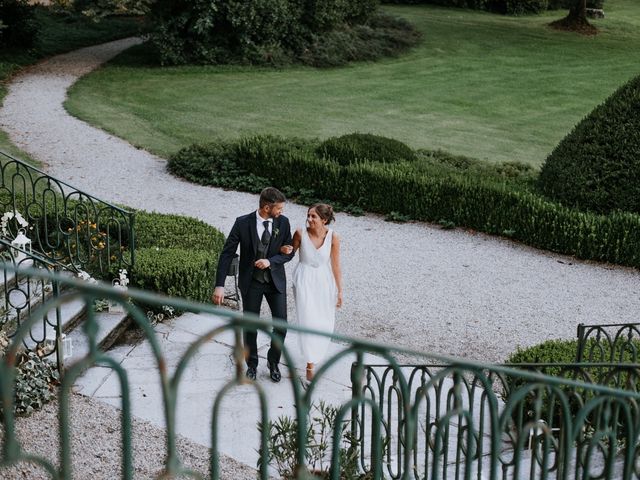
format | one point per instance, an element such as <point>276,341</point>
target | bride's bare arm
<point>335,266</point>
<point>287,249</point>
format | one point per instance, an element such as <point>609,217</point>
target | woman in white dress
<point>317,281</point>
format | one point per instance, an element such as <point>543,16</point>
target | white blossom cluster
<point>4,221</point>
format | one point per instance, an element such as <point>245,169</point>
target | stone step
<point>73,312</point>
<point>110,327</point>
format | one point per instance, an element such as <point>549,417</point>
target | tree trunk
<point>578,12</point>
<point>576,20</point>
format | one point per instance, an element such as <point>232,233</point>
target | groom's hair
<point>271,195</point>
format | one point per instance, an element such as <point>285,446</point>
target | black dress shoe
<point>251,373</point>
<point>274,372</point>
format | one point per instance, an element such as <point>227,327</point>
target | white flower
<point>123,280</point>
<point>4,221</point>
<point>82,275</point>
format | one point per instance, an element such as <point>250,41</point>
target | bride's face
<point>313,219</point>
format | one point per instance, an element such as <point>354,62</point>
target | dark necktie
<point>266,235</point>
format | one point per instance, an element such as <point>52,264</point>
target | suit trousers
<point>252,301</point>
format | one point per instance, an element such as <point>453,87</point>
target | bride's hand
<point>286,249</point>
<point>339,302</point>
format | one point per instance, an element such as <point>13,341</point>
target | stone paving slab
<point>207,374</point>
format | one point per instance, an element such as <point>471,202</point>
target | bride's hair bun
<point>324,211</point>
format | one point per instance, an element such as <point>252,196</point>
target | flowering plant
<point>123,281</point>
<point>4,221</point>
<point>82,275</point>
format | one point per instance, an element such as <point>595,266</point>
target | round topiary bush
<point>597,166</point>
<point>362,147</point>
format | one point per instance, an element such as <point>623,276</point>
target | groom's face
<point>275,209</point>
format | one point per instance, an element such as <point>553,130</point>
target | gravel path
<point>415,285</point>
<point>96,442</point>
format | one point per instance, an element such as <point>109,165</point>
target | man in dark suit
<point>260,235</point>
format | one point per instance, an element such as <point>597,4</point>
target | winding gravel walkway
<point>415,285</point>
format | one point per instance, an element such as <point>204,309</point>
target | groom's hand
<point>218,295</point>
<point>262,264</point>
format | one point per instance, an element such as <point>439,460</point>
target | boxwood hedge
<point>597,165</point>
<point>483,204</point>
<point>176,255</point>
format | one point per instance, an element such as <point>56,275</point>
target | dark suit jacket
<point>245,234</point>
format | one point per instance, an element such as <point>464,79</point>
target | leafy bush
<point>283,444</point>
<point>176,272</point>
<point>566,351</point>
<point>18,26</point>
<point>494,203</point>
<point>35,380</point>
<point>597,166</point>
<point>215,164</point>
<point>103,8</point>
<point>382,36</point>
<point>175,231</point>
<point>544,403</point>
<point>34,384</point>
<point>489,207</point>
<point>176,255</point>
<point>359,147</point>
<point>443,164</point>
<point>273,32</point>
<point>518,7</point>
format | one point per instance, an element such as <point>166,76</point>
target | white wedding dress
<point>315,292</point>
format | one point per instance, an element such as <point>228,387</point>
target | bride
<point>317,281</point>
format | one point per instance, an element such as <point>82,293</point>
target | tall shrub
<point>256,31</point>
<point>597,165</point>
<point>18,26</point>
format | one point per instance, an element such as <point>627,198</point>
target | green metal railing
<point>21,293</point>
<point>460,422</point>
<point>472,416</point>
<point>613,342</point>
<point>66,225</point>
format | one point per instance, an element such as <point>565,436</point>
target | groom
<point>260,235</point>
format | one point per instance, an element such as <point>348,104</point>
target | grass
<point>58,34</point>
<point>494,87</point>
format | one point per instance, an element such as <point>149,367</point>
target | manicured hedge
<point>544,403</point>
<point>488,207</point>
<point>362,147</point>
<point>597,166</point>
<point>485,204</point>
<point>176,255</point>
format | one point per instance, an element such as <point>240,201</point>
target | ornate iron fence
<point>477,420</point>
<point>66,225</point>
<point>444,421</point>
<point>614,342</point>
<point>22,293</point>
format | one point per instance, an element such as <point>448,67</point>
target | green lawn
<point>58,34</point>
<point>488,86</point>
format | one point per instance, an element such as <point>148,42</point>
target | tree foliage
<point>18,26</point>
<point>253,31</point>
